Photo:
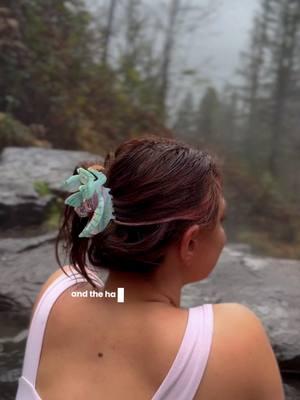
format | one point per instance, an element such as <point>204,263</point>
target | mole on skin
<point>100,354</point>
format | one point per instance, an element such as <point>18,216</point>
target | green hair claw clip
<point>90,198</point>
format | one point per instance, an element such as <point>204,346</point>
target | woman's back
<point>119,350</point>
<point>152,215</point>
<point>97,348</point>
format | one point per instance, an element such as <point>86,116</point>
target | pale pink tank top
<point>182,379</point>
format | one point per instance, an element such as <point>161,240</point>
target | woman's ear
<point>189,244</point>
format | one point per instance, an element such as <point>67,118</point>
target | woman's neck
<point>159,287</point>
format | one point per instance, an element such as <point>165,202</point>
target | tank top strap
<point>39,319</point>
<point>186,372</point>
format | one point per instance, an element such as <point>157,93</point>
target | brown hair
<point>150,178</point>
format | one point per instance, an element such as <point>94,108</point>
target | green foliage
<point>13,132</point>
<point>50,75</point>
<point>270,186</point>
<point>263,243</point>
<point>208,116</point>
<point>54,213</point>
<point>185,122</point>
<point>55,208</point>
<point>201,124</point>
<point>42,188</point>
<point>53,75</point>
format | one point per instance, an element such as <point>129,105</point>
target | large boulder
<point>22,171</point>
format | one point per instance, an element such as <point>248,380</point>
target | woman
<point>153,217</point>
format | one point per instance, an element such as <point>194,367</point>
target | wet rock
<point>23,273</point>
<point>292,392</point>
<point>18,245</point>
<point>21,169</point>
<point>26,265</point>
<point>268,286</point>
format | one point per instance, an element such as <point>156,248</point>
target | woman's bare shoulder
<point>233,317</point>
<point>241,357</point>
<point>56,274</point>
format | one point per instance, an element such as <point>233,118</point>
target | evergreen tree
<point>184,125</point>
<point>207,117</point>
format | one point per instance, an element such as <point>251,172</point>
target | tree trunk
<point>108,31</point>
<point>168,55</point>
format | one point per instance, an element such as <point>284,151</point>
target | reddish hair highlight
<point>159,187</point>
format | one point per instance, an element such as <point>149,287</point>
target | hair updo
<point>150,178</point>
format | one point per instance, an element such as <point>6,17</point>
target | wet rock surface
<point>269,286</point>
<point>21,169</point>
